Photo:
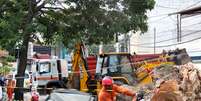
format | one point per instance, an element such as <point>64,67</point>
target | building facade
<point>163,29</point>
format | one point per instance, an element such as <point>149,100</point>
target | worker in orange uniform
<point>110,90</point>
<point>10,88</point>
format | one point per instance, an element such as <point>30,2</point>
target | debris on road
<point>182,81</point>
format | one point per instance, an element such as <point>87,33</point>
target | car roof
<point>71,91</point>
<point>70,94</point>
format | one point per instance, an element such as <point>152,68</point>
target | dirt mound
<point>188,78</point>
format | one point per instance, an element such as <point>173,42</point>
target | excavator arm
<point>79,75</point>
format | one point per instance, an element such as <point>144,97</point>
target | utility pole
<point>154,40</point>
<point>125,43</point>
<point>178,28</point>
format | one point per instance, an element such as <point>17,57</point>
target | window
<point>113,63</point>
<point>99,64</point>
<point>44,68</point>
<point>125,65</point>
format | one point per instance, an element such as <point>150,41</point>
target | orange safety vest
<point>111,96</point>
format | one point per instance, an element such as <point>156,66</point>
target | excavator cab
<point>116,65</point>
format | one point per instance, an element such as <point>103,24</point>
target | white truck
<point>50,73</point>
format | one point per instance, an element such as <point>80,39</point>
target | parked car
<point>70,95</point>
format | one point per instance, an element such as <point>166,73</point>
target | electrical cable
<point>166,31</point>
<point>157,5</point>
<point>162,46</point>
<point>165,14</point>
<point>141,45</point>
<point>157,20</point>
<point>192,5</point>
<point>192,33</point>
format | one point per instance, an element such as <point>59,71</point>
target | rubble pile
<point>188,79</point>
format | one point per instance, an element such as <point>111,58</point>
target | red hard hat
<point>35,97</point>
<point>107,81</point>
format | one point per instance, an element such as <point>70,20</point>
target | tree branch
<point>38,1</point>
<point>61,4</point>
<point>54,8</point>
<point>41,6</point>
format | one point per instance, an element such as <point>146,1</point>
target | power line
<point>165,7</point>
<point>140,45</point>
<point>192,5</point>
<point>170,30</point>
<point>192,33</point>
<point>154,21</point>
<point>165,14</point>
<point>162,46</point>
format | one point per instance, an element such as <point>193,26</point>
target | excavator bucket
<point>174,57</point>
<point>180,56</point>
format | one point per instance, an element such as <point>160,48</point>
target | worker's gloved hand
<point>140,95</point>
<point>134,97</point>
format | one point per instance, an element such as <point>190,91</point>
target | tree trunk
<point>21,69</point>
<point>23,51</point>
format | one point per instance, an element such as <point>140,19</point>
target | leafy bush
<point>10,58</point>
<point>5,69</point>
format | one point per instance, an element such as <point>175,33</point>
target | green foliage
<point>92,21</point>
<point>69,21</point>
<point>10,58</point>
<point>5,69</point>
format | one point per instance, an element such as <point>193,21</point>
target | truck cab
<point>50,73</point>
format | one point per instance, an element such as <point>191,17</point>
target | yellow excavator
<point>82,76</point>
<point>121,66</point>
<point>128,69</point>
<point>78,77</point>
